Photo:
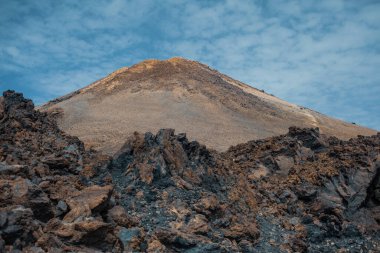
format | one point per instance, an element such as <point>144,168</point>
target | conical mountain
<point>188,96</point>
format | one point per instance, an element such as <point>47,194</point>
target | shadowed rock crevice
<point>373,191</point>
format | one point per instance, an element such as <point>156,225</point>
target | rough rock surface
<point>184,200</point>
<point>298,192</point>
<point>317,194</point>
<point>53,194</point>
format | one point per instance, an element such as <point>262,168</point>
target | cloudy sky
<point>324,55</point>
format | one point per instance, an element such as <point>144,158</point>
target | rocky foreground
<point>299,192</point>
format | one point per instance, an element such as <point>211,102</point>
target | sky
<point>324,55</point>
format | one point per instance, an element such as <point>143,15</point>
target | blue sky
<point>324,55</point>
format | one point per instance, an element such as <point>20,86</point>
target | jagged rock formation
<point>186,201</point>
<point>320,191</point>
<point>53,194</point>
<point>292,193</point>
<point>187,96</point>
<point>298,192</point>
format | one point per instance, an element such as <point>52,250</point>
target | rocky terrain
<point>298,192</point>
<point>186,96</point>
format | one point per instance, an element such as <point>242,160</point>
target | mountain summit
<point>187,96</point>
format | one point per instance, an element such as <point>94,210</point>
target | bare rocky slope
<point>297,192</point>
<point>187,96</point>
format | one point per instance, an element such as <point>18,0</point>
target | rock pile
<point>185,200</point>
<point>299,192</point>
<point>322,192</point>
<point>54,195</point>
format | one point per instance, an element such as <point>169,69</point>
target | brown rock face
<point>91,199</point>
<point>186,202</point>
<point>188,96</point>
<point>297,192</point>
<point>47,203</point>
<point>326,194</point>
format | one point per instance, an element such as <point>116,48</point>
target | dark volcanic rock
<point>184,199</point>
<point>299,192</point>
<point>47,176</point>
<point>330,186</point>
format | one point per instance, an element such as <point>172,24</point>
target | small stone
<point>62,206</point>
<point>130,238</point>
<point>294,221</point>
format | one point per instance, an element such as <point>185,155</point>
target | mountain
<point>188,96</point>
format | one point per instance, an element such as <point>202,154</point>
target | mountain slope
<point>185,95</point>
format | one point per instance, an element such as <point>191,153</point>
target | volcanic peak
<point>187,96</point>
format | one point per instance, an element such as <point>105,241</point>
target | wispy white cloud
<point>324,55</point>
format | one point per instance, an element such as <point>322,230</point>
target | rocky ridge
<point>53,192</point>
<point>298,192</point>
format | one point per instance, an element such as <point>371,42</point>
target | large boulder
<point>93,199</point>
